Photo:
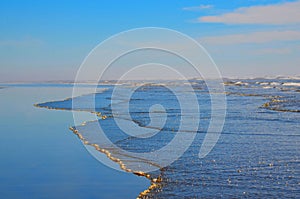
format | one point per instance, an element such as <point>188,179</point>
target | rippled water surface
<point>257,155</point>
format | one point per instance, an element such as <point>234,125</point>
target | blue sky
<point>48,40</point>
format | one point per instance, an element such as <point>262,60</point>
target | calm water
<point>257,155</point>
<point>41,158</point>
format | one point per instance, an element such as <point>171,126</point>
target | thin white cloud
<point>197,8</point>
<point>254,38</point>
<point>278,51</point>
<point>276,14</point>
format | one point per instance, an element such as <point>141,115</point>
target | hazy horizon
<point>296,77</point>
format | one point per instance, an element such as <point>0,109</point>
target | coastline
<point>154,182</point>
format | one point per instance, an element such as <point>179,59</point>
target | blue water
<point>257,155</point>
<point>41,158</point>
